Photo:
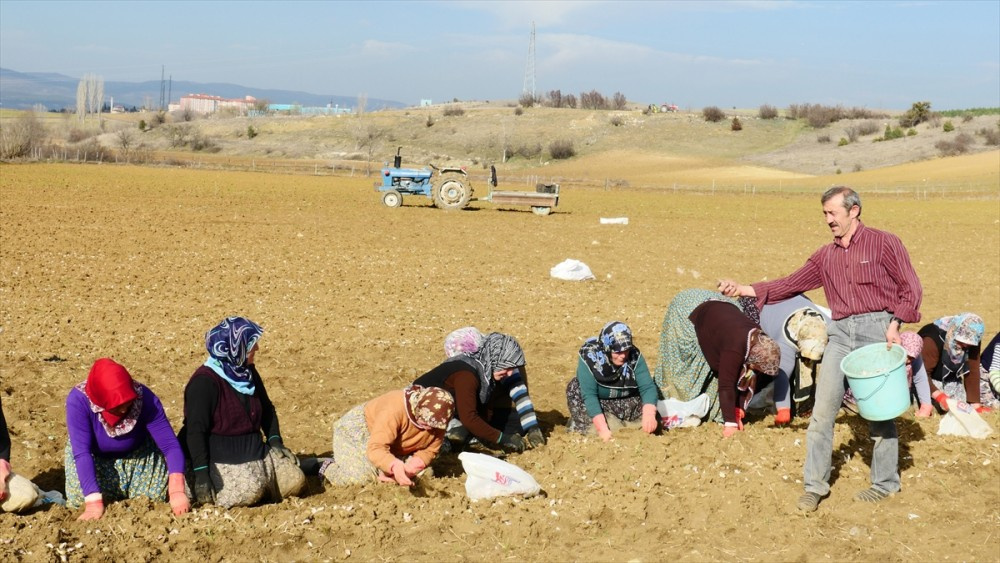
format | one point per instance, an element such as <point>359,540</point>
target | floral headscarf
<point>763,353</point>
<point>463,341</point>
<point>429,408</point>
<point>596,352</point>
<point>497,352</point>
<point>966,328</point>
<point>228,345</point>
<point>110,385</point>
<point>912,343</point>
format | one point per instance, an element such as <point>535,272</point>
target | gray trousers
<point>847,335</point>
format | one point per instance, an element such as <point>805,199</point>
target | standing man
<point>872,290</point>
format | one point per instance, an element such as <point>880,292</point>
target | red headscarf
<point>109,385</point>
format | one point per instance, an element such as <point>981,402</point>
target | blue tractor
<point>447,188</point>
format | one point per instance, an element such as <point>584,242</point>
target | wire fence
<point>988,189</point>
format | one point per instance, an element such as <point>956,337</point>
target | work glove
<point>512,442</point>
<point>414,465</point>
<point>398,470</point>
<point>729,429</point>
<point>784,416</point>
<point>649,418</point>
<point>92,509</point>
<point>179,502</point>
<point>601,425</point>
<point>204,492</point>
<point>535,437</point>
<point>4,474</point>
<point>280,449</point>
<point>979,408</point>
<point>941,399</point>
<point>740,415</point>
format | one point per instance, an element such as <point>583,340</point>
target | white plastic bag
<point>675,413</point>
<point>489,477</point>
<point>963,420</point>
<point>614,220</point>
<point>571,270</point>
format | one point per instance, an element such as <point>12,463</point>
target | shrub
<point>892,133</point>
<point>956,146</point>
<point>526,100</point>
<point>159,118</point>
<point>857,168</point>
<point>917,114</point>
<point>736,125</point>
<point>618,101</point>
<point>518,110</point>
<point>868,128</point>
<point>713,114</point>
<point>991,137</point>
<point>251,132</point>
<point>966,117</point>
<point>142,125</point>
<point>822,139</point>
<point>527,151</point>
<point>767,112</point>
<point>76,135</point>
<point>562,149</point>
<point>617,120</point>
<point>430,120</point>
<point>20,137</point>
<point>555,99</point>
<point>948,127</point>
<point>593,100</point>
<point>911,132</point>
<point>453,111</point>
<point>853,133</point>
<point>843,142</point>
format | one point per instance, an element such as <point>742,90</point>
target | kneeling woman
<point>392,437</point>
<point>735,348</point>
<point>951,358</point>
<point>226,410</point>
<point>120,445</point>
<point>472,378</point>
<point>612,383</point>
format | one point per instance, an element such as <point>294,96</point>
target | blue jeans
<point>847,335</point>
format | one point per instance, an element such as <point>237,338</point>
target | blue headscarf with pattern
<point>228,345</point>
<point>596,353</point>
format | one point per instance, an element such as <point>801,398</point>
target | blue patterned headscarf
<point>596,353</point>
<point>228,345</point>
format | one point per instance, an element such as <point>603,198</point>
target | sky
<point>874,54</point>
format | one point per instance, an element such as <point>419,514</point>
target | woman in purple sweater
<point>120,445</point>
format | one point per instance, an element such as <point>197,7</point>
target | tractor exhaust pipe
<point>397,161</point>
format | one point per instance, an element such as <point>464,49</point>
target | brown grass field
<point>137,263</point>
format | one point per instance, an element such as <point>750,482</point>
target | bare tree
<point>362,103</point>
<point>126,143</point>
<point>368,138</point>
<point>81,99</point>
<point>96,98</point>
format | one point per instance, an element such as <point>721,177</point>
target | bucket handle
<point>885,378</point>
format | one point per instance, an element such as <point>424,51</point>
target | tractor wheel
<point>543,211</point>
<point>392,198</point>
<point>451,192</point>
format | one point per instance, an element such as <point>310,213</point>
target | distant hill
<point>22,90</point>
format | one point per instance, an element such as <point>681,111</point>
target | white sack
<point>963,420</point>
<point>680,414</point>
<point>489,477</point>
<point>571,270</point>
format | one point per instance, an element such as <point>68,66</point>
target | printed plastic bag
<point>571,270</point>
<point>963,420</point>
<point>675,413</point>
<point>489,477</point>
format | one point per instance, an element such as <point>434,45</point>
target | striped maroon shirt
<point>872,274</point>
